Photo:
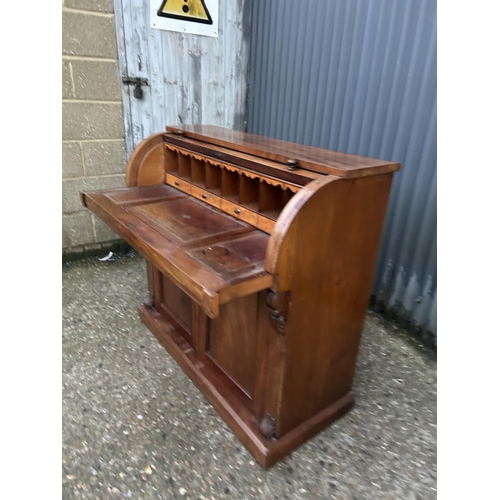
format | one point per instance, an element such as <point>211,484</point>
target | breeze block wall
<point>93,147</point>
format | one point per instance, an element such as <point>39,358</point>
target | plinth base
<point>236,415</point>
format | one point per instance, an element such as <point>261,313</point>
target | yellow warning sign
<point>186,10</point>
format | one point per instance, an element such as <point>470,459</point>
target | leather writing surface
<point>233,255</point>
<point>188,219</point>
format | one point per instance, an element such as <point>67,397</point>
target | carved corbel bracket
<point>278,303</point>
<point>278,321</point>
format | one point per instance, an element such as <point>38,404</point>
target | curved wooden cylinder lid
<point>146,164</point>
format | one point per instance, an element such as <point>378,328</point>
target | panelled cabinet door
<point>234,353</point>
<point>178,305</point>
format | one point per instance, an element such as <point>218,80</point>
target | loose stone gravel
<point>135,426</point>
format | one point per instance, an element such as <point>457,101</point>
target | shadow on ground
<point>134,426</point>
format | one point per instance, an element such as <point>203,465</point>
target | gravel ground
<point>134,425</point>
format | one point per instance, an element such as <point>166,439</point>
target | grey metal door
<point>191,79</point>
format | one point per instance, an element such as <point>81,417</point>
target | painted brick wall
<point>93,147</point>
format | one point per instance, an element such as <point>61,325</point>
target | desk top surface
<point>307,157</point>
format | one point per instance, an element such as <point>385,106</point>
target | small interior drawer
<point>239,212</point>
<point>205,196</point>
<point>174,181</point>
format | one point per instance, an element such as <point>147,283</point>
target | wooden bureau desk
<point>260,257</point>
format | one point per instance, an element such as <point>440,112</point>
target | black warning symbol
<point>186,10</point>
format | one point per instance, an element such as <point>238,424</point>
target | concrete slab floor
<point>135,426</point>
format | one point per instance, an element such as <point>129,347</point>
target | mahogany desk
<point>260,257</point>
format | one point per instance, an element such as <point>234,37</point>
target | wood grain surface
<point>307,157</point>
<point>259,271</point>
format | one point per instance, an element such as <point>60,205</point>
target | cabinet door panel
<point>232,340</point>
<point>175,306</point>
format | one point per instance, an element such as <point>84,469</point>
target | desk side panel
<point>146,165</point>
<point>325,258</point>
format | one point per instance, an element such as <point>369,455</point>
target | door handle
<point>138,82</point>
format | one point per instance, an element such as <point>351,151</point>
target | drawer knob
<point>176,183</point>
<point>204,196</point>
<point>237,210</point>
<point>293,164</point>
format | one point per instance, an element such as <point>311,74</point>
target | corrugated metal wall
<point>360,76</point>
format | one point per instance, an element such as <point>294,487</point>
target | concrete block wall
<point>93,146</point>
